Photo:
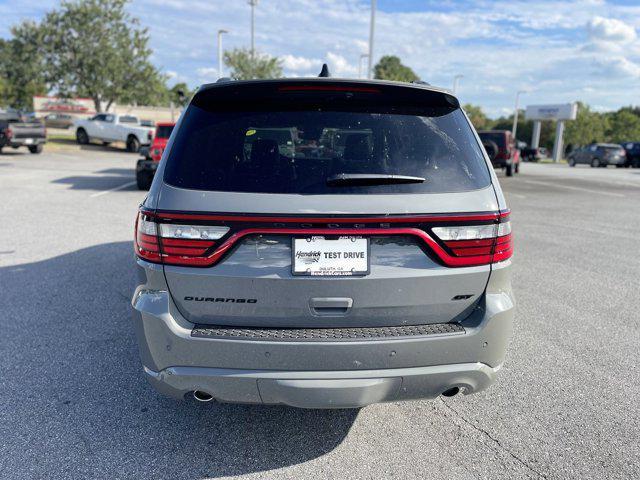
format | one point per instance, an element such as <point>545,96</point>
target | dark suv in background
<point>632,150</point>
<point>598,155</point>
<point>502,150</point>
<point>323,243</point>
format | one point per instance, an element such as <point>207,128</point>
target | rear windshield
<point>164,131</point>
<point>126,119</point>
<point>297,151</point>
<point>498,138</point>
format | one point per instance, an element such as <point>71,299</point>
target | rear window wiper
<point>357,179</point>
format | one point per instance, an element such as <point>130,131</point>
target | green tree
<point>95,48</point>
<point>588,127</point>
<point>391,68</point>
<point>478,118</point>
<point>21,67</point>
<point>623,126</point>
<point>180,94</point>
<point>245,66</point>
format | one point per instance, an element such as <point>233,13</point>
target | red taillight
<point>478,244</point>
<point>146,235</point>
<point>8,133</point>
<point>174,244</point>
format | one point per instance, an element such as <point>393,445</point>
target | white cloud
<point>339,66</point>
<point>207,74</point>
<point>610,30</point>
<point>618,66</point>
<point>297,64</point>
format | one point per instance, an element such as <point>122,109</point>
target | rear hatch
<point>323,204</point>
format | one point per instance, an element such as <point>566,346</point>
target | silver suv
<point>323,243</point>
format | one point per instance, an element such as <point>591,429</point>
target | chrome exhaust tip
<point>201,396</point>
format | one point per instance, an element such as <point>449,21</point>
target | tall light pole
<point>220,32</point>
<point>253,4</point>
<point>515,114</point>
<point>362,55</point>
<point>371,32</point>
<point>456,79</point>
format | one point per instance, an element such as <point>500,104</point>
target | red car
<point>146,167</point>
<point>501,148</point>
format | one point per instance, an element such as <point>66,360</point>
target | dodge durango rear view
<point>323,243</point>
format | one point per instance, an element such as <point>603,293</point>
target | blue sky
<point>558,51</point>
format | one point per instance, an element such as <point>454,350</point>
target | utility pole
<point>455,82</point>
<point>362,55</point>
<point>515,114</point>
<point>253,4</point>
<point>220,32</point>
<point>371,32</point>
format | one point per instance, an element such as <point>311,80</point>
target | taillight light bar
<point>493,242</point>
<point>481,240</point>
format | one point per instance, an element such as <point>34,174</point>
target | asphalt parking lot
<point>74,404</point>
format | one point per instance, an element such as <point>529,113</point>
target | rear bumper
<point>25,142</point>
<point>615,161</point>
<point>320,374</point>
<point>329,389</point>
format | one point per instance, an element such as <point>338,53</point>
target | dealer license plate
<point>343,256</point>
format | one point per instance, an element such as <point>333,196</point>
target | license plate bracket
<point>339,256</point>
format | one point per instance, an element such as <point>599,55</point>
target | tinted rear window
<point>164,131</point>
<point>296,151</point>
<point>496,137</point>
<point>125,119</point>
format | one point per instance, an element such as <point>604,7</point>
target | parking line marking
<point>517,195</point>
<point>570,187</point>
<point>104,192</point>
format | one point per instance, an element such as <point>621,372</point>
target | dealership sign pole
<point>559,113</point>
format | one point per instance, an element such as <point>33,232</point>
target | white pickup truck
<point>109,127</point>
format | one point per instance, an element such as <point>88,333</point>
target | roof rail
<point>224,79</point>
<point>420,82</point>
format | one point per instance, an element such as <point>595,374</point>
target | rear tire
<point>36,148</point>
<point>143,180</point>
<point>81,136</point>
<point>509,170</point>
<point>572,162</point>
<point>133,144</point>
